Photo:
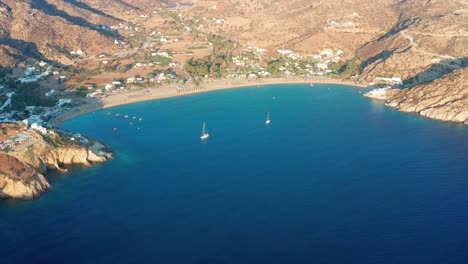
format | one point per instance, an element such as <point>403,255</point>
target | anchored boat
<point>204,135</point>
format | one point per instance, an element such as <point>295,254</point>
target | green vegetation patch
<point>28,94</point>
<point>349,69</point>
<point>213,66</point>
<point>80,91</point>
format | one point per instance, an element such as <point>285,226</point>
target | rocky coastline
<point>444,99</point>
<point>24,164</point>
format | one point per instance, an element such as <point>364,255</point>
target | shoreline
<point>168,91</point>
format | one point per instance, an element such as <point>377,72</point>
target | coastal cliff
<point>28,155</point>
<point>20,180</point>
<point>444,99</point>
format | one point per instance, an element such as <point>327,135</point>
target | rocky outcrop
<point>19,180</point>
<point>444,99</point>
<point>23,166</point>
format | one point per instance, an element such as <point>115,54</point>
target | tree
<point>350,68</point>
<point>334,66</point>
<point>274,66</point>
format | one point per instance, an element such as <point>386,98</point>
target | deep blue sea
<point>335,178</point>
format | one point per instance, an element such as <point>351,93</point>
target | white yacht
<point>204,135</point>
<point>268,121</point>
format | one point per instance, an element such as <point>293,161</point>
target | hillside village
<point>167,46</point>
<point>181,54</point>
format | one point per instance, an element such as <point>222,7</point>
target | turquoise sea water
<point>335,178</point>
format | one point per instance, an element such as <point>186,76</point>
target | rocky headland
<point>28,155</point>
<point>444,99</point>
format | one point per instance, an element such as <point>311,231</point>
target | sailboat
<point>268,119</point>
<point>204,135</point>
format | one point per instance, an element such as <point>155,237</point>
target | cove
<point>335,178</point>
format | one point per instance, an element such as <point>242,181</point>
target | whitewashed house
<point>37,127</point>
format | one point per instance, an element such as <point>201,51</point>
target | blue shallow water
<point>335,178</point>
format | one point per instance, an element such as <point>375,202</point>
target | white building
<point>327,52</point>
<point>397,80</point>
<point>263,73</point>
<point>39,128</point>
<point>34,78</point>
<point>392,80</point>
<point>285,52</point>
<point>162,54</point>
<point>61,102</point>
<point>260,50</point>
<point>50,93</point>
<point>109,86</point>
<point>322,66</point>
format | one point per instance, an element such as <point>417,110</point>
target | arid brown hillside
<point>426,33</point>
<point>50,29</point>
<point>394,38</point>
<point>305,25</point>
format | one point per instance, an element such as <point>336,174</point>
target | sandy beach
<point>167,91</point>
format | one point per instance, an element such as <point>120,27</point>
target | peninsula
<point>29,153</point>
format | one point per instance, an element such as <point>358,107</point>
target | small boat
<point>117,115</point>
<point>204,135</point>
<point>115,129</point>
<point>311,85</point>
<point>134,117</point>
<point>268,121</point>
<point>126,116</point>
